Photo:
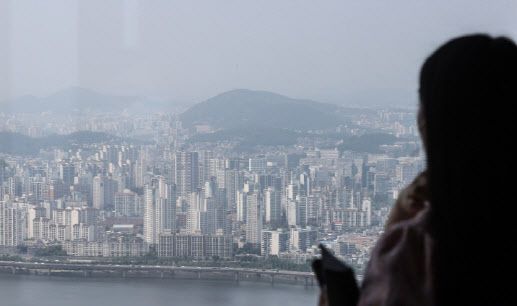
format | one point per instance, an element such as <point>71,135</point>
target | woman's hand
<point>410,201</point>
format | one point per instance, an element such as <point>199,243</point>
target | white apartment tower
<point>98,192</point>
<point>159,209</point>
<point>273,203</point>
<point>254,203</point>
<point>11,224</point>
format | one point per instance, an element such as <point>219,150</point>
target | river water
<point>22,290</point>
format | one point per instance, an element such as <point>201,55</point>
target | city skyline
<point>158,152</point>
<point>181,197</point>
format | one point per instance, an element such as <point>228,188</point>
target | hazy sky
<point>343,51</point>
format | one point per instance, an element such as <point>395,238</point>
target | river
<point>27,290</point>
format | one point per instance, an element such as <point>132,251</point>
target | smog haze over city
<point>351,53</point>
<point>198,152</point>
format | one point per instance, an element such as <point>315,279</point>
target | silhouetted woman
<point>450,237</point>
<point>468,92</point>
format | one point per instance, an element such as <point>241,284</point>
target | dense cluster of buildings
<point>192,201</point>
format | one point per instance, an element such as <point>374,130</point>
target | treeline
<point>249,137</point>
<point>19,144</point>
<point>50,251</point>
<point>251,262</point>
<point>8,257</point>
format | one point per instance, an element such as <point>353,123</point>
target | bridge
<point>124,271</point>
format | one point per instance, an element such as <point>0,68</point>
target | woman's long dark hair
<point>468,90</point>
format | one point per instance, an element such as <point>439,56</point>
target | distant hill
<point>15,143</point>
<point>77,99</point>
<point>248,108</point>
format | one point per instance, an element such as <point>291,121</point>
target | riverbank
<point>153,272</point>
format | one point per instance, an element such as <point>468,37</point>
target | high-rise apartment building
<point>274,243</point>
<point>254,204</point>
<point>98,192</point>
<point>273,206</point>
<point>11,224</point>
<point>187,172</point>
<point>159,209</point>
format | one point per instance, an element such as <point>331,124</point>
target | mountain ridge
<point>79,99</point>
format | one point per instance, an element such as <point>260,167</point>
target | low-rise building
<point>195,246</point>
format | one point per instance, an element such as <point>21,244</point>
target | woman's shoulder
<point>399,269</point>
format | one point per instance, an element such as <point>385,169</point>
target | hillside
<point>246,108</point>
<point>247,138</point>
